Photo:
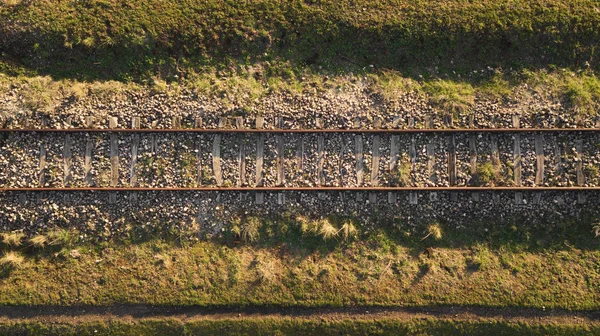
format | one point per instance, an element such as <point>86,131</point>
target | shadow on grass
<point>342,48</point>
<point>284,233</point>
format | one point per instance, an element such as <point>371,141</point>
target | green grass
<point>283,267</point>
<point>295,326</point>
<point>166,38</point>
<point>241,94</point>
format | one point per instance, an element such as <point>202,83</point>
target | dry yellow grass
<point>12,259</point>
<point>12,238</point>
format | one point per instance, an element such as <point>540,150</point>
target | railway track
<point>103,179</point>
<point>277,160</point>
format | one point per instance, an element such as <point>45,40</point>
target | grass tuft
<point>12,259</point>
<point>266,271</point>
<point>327,230</point>
<point>13,238</point>
<point>349,231</point>
<point>596,229</point>
<point>163,260</point>
<point>307,226</point>
<point>486,175</point>
<point>61,237</point>
<point>449,96</point>
<point>250,229</point>
<point>434,230</point>
<point>39,240</point>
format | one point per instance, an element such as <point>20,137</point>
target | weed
<point>266,271</point>
<point>13,238</point>
<point>250,229</point>
<point>326,229</point>
<point>307,226</point>
<point>163,260</point>
<point>404,170</point>
<point>485,175</point>
<point>480,259</point>
<point>450,96</point>
<point>10,2</point>
<point>497,87</point>
<point>12,259</point>
<point>433,230</point>
<point>348,231</point>
<point>39,240</point>
<point>391,85</point>
<point>582,93</point>
<point>38,93</point>
<point>596,229</point>
<point>158,85</point>
<point>61,237</point>
<point>591,171</point>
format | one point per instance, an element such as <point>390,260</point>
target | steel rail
<point>252,130</point>
<point>304,189</point>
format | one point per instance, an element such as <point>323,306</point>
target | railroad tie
<point>279,161</point>
<point>260,152</point>
<point>451,160</point>
<point>216,160</point>
<point>375,159</point>
<point>89,146</point>
<point>67,158</point>
<point>135,143</point>
<point>114,159</point>
<point>358,152</point>
<point>579,169</point>
<point>413,198</point>
<point>517,159</point>
<point>539,154</point>
<point>394,156</point>
<point>579,162</point>
<point>42,165</point>
<point>239,122</point>
<point>473,162</point>
<point>114,153</point>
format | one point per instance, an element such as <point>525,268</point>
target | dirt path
<point>77,314</point>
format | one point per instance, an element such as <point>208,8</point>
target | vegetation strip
<point>295,326</point>
<point>112,40</point>
<point>83,313</point>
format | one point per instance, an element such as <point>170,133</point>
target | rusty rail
<point>305,189</point>
<point>250,130</point>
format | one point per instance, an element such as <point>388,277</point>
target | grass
<point>486,175</point>
<point>326,229</point>
<point>434,231</point>
<point>141,40</point>
<point>242,94</point>
<point>295,326</point>
<point>39,240</point>
<point>349,231</point>
<point>250,229</point>
<point>521,268</point>
<point>12,259</point>
<point>450,96</point>
<point>12,238</point>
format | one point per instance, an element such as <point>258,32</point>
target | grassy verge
<point>241,90</point>
<point>298,326</point>
<point>139,39</point>
<point>312,264</point>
